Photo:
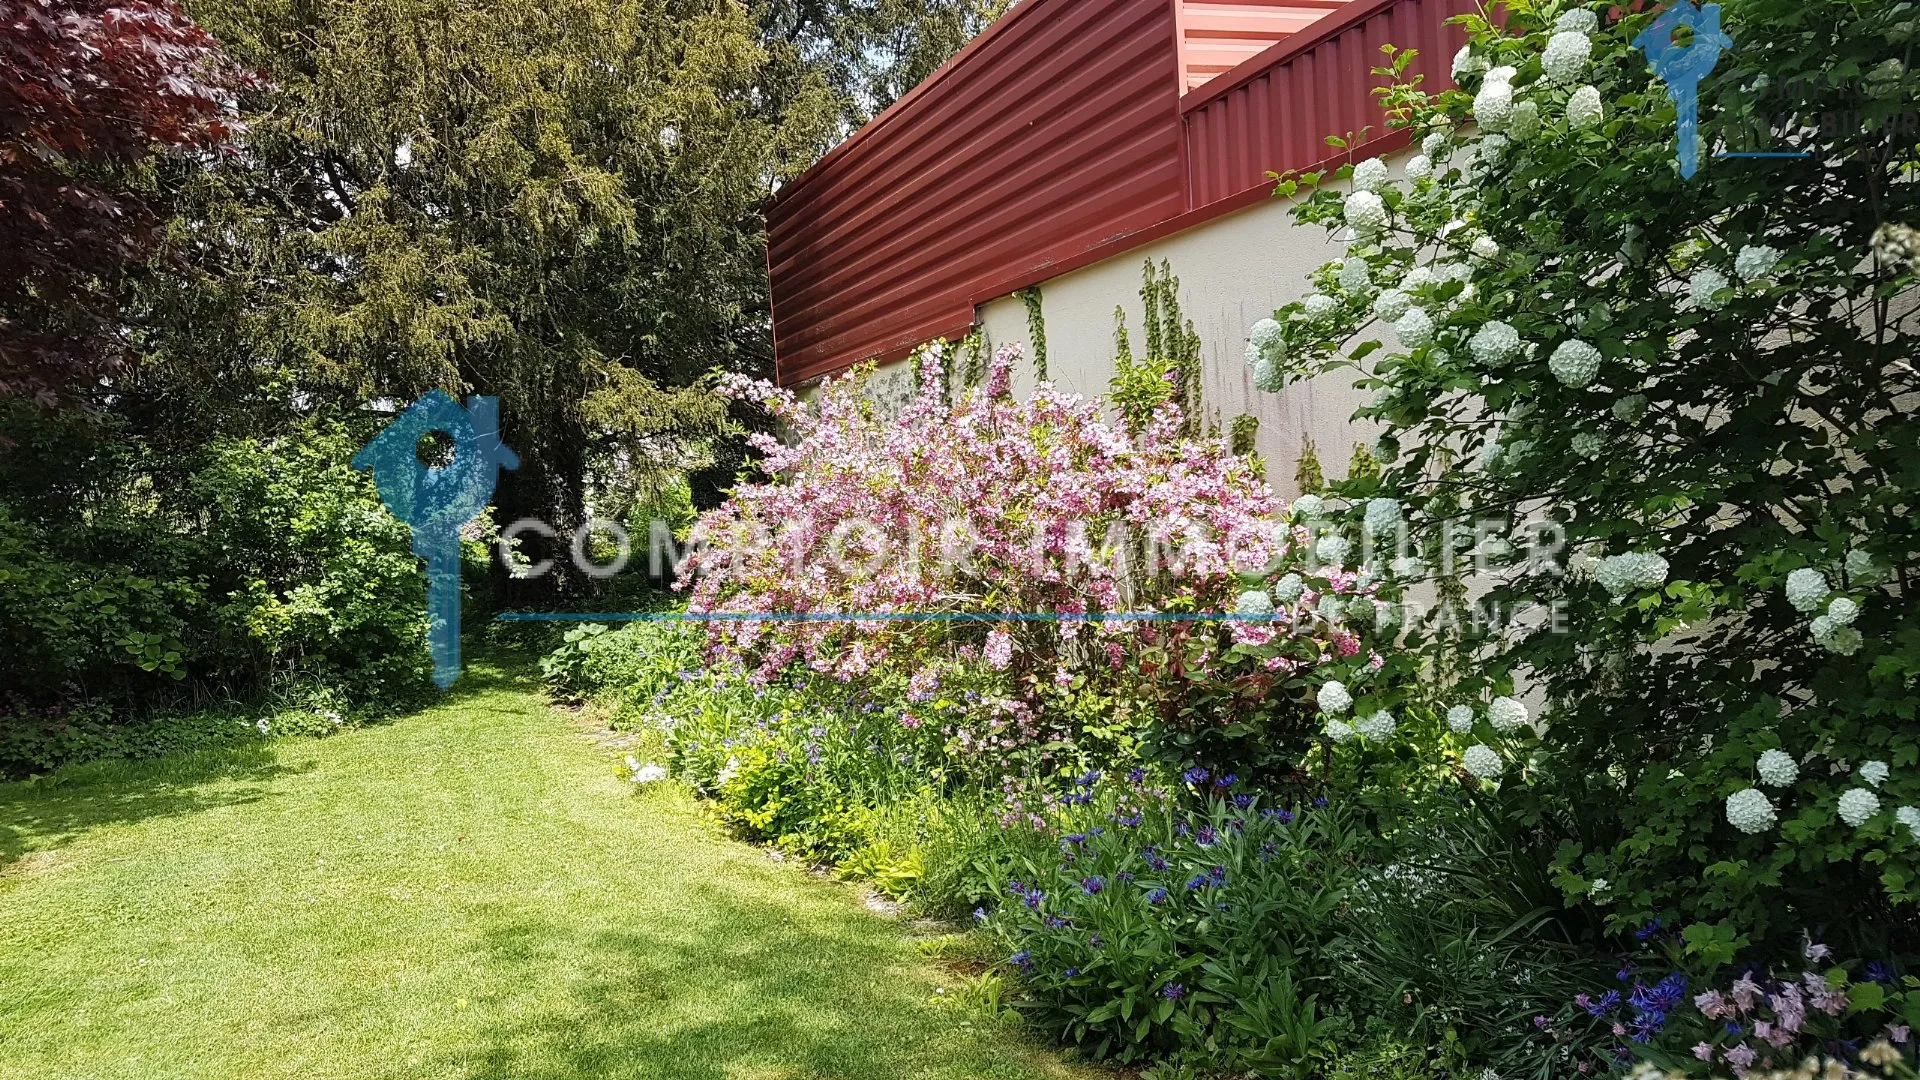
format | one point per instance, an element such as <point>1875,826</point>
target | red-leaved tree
<point>90,90</point>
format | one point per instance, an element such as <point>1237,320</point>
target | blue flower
<point>1123,876</point>
<point>1090,779</point>
<point>1284,817</point>
<point>1180,828</point>
<point>1266,851</point>
<point>1878,971</point>
<point>1157,896</point>
<point>1070,972</point>
<point>1242,801</point>
<point>1129,821</point>
<point>1095,941</point>
<point>979,914</point>
<point>1022,959</point>
<point>1136,775</point>
<point>1227,781</point>
<point>1055,922</point>
<point>1647,931</point>
<point>1218,875</point>
<point>1603,1005</point>
<point>1093,884</point>
<point>1207,837</point>
<point>1195,776</point>
<point>1199,881</point>
<point>1173,992</point>
<point>1321,801</point>
<point>1074,838</point>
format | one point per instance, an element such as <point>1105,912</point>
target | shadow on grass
<point>54,811</point>
<point>732,985</point>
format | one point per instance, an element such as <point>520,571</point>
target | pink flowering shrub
<point>981,507</point>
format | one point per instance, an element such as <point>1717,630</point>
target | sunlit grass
<point>467,892</point>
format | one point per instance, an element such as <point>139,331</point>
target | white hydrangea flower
<point>1309,507</point>
<point>1504,73</point>
<point>1750,811</point>
<point>1486,247</point>
<point>1391,304</point>
<point>1463,61</point>
<point>1777,768</point>
<point>1578,20</point>
<point>727,772</point>
<point>1565,59</point>
<point>1382,516</point>
<point>1574,362</point>
<point>1354,275</point>
<point>1842,611</point>
<point>1332,548</point>
<point>1630,572</point>
<point>1460,719</point>
<point>1488,152</point>
<point>1433,143</point>
<point>1288,589</point>
<point>1369,175</point>
<point>1495,342</point>
<point>1599,888</point>
<point>1419,167</point>
<point>1755,262</point>
<point>1253,602</point>
<point>1702,286</point>
<point>1483,761</point>
<point>1380,725</point>
<point>1910,817</point>
<point>1365,212</point>
<point>1630,408</point>
<point>1588,445</point>
<point>1807,589</point>
<point>1875,773</point>
<point>1857,805</point>
<point>1524,124</point>
<point>1417,278</point>
<point>1264,339</point>
<point>1333,697</point>
<point>1862,568</point>
<point>1493,105</point>
<point>1339,731</point>
<point>1268,376</point>
<point>1318,306</point>
<point>1584,109</point>
<point>649,773</point>
<point>1413,329</point>
<point>1506,715</point>
<point>1840,640</point>
<point>1408,566</point>
<point>1331,609</point>
<point>1386,617</point>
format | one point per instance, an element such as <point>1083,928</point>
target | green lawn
<point>467,892</point>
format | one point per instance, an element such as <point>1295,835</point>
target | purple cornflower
<point>1227,781</point>
<point>1180,828</point>
<point>1647,931</point>
<point>1157,896</point>
<point>1093,884</point>
<point>1600,1006</point>
<point>1089,779</point>
<point>1218,875</point>
<point>1195,776</point>
<point>1070,973</point>
<point>1173,992</point>
<point>1284,817</point>
<point>1321,801</point>
<point>1136,775</point>
<point>1129,821</point>
<point>1022,959</point>
<point>1199,881</point>
<point>1207,837</point>
<point>979,914</point>
<point>1242,801</point>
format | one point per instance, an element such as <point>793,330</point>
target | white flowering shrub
<point>1705,389</point>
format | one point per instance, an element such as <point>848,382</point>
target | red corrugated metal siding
<point>1058,129</point>
<point>1275,111</point>
<point>1057,138</point>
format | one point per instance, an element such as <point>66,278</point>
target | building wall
<point>1233,271</point>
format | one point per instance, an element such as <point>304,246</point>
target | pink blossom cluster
<point>1774,1013</point>
<point>984,505</point>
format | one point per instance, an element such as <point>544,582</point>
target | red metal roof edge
<point>925,86</point>
<point>1280,52</point>
<point>1389,143</point>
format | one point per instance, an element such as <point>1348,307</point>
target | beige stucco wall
<point>1233,271</point>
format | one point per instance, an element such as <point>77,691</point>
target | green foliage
<point>1036,330</point>
<point>1170,369</point>
<point>1308,476</point>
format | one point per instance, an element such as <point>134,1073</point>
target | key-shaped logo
<point>435,502</point>
<point>1683,66</point>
